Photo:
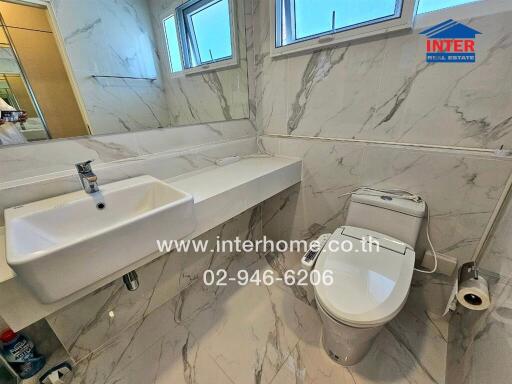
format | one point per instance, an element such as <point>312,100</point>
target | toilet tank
<point>398,218</point>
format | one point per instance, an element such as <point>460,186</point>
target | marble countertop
<point>220,193</point>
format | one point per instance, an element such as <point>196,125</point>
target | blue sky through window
<point>313,16</point>
<point>172,44</point>
<point>434,5</point>
<point>212,29</point>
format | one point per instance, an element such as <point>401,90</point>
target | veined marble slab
<point>461,188</point>
<point>383,89</point>
<point>43,158</point>
<point>114,38</point>
<point>255,334</point>
<point>497,255</point>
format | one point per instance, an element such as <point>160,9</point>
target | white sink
<point>63,244</point>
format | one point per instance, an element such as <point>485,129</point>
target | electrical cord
<point>406,195</point>
<point>429,241</point>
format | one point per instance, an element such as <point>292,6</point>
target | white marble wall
<point>104,37</point>
<point>36,171</point>
<point>497,255</point>
<point>211,96</point>
<point>382,89</point>
<point>41,159</point>
<point>480,343</point>
<point>461,188</point>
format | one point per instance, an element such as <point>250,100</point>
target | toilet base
<point>344,344</point>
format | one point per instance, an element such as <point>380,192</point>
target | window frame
<point>184,43</point>
<point>329,39</point>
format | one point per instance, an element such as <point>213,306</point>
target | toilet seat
<point>369,288</point>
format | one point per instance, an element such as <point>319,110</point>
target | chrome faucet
<point>87,177</point>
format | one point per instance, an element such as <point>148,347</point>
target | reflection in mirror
<point>37,99</point>
<point>202,50</point>
<point>98,67</point>
<point>15,96</point>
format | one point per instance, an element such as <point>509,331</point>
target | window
<point>308,24</point>
<point>173,46</point>
<point>435,5</point>
<point>201,34</point>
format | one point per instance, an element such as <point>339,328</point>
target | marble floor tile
<point>484,343</point>
<point>257,334</point>
<point>387,362</point>
<point>176,359</point>
<point>308,363</point>
<point>250,331</point>
<point>156,350</point>
<point>423,339</point>
<point>414,343</point>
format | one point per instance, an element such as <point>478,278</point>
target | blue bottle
<point>21,354</point>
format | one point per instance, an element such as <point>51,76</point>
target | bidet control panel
<point>309,259</point>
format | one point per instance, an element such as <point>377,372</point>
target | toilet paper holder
<point>473,292</point>
<point>468,271</point>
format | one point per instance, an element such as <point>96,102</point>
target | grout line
<point>295,348</point>
<point>484,151</point>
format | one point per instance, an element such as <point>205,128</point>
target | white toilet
<point>369,287</point>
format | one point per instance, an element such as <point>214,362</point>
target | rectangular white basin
<point>63,244</point>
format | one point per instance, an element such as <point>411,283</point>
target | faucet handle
<point>84,166</point>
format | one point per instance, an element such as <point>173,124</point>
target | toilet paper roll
<point>474,294</point>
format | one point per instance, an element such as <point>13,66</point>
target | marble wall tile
<point>40,159</point>
<point>497,255</point>
<point>89,323</point>
<point>162,166</point>
<point>382,89</point>
<point>179,138</point>
<point>209,96</point>
<point>447,181</point>
<point>114,38</point>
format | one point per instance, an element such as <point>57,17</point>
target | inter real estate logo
<point>451,42</point>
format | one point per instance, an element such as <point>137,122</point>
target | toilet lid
<point>369,285</point>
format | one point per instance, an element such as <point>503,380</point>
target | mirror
<point>74,67</point>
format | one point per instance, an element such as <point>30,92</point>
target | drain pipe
<point>477,256</point>
<point>131,280</point>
